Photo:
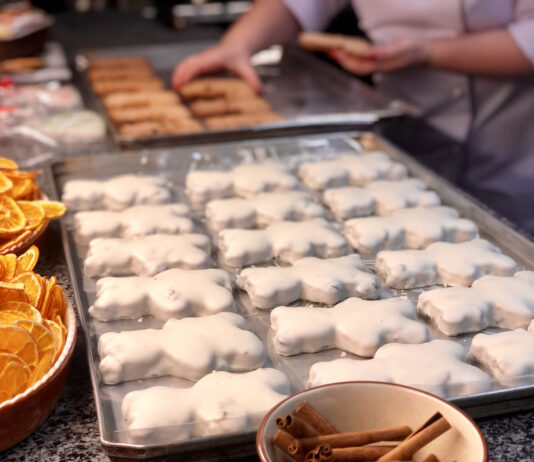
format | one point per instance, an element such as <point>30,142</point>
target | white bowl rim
<point>259,435</point>
<point>69,341</point>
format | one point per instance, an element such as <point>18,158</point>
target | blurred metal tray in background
<point>174,164</point>
<point>311,94</point>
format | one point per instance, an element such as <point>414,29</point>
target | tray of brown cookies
<point>131,87</point>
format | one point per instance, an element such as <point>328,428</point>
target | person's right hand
<point>223,56</point>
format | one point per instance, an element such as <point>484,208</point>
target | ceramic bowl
<point>23,413</point>
<point>357,406</point>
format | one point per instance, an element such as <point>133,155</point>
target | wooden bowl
<point>357,406</point>
<point>22,414</point>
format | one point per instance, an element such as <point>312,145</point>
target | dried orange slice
<point>59,322</point>
<point>14,376</point>
<point>23,175</point>
<point>52,209</point>
<point>25,309</point>
<point>49,295</point>
<point>57,333</point>
<point>57,305</point>
<point>45,364</point>
<point>12,292</point>
<point>8,317</point>
<point>32,287</point>
<point>12,220</point>
<point>18,341</point>
<point>27,261</point>
<point>22,188</point>
<point>41,335</point>
<point>8,164</point>
<point>8,265</point>
<point>9,244</point>
<point>5,183</point>
<point>33,213</point>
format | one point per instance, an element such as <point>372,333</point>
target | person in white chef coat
<point>467,64</point>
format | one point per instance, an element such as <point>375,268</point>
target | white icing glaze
<point>116,193</point>
<point>507,355</point>
<point>355,325</point>
<point>133,222</point>
<point>350,169</point>
<point>219,403</point>
<point>287,241</point>
<point>312,279</point>
<point>146,256</point>
<point>492,301</point>
<point>189,348</point>
<point>442,263</point>
<point>414,228</point>
<point>175,293</point>
<point>262,210</point>
<point>244,181</point>
<point>379,198</point>
<point>438,367</point>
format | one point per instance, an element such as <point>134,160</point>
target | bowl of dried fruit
<point>37,338</point>
<point>24,210</point>
<point>368,421</point>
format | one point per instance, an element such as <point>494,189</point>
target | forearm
<point>269,22</point>
<point>484,53</point>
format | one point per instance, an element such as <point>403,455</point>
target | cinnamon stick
<point>325,453</point>
<point>283,440</point>
<point>344,440</point>
<point>315,419</point>
<point>296,426</point>
<point>411,445</point>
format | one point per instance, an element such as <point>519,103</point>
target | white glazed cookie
<point>492,301</point>
<point>414,228</point>
<point>351,169</point>
<point>188,348</point>
<point>133,222</point>
<point>438,367</point>
<point>287,241</point>
<point>219,403</point>
<point>507,355</point>
<point>379,198</point>
<point>147,256</point>
<point>262,210</point>
<point>442,263</point>
<point>355,325</point>
<point>175,293</point>
<point>312,279</point>
<point>244,181</point>
<point>116,193</point>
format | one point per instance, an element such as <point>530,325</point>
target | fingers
<point>358,66</point>
<point>206,62</point>
<point>247,72</point>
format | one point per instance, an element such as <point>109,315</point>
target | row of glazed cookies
<point>138,103</point>
<point>136,99</point>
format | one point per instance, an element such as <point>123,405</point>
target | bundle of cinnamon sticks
<point>307,436</point>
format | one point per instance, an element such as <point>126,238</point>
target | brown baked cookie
<point>17,65</point>
<point>152,128</point>
<point>106,87</point>
<point>138,114</point>
<point>206,88</point>
<point>140,99</point>
<point>221,106</point>
<point>119,62</point>
<point>320,41</point>
<point>99,75</point>
<point>227,122</point>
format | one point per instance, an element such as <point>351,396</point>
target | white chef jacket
<point>493,115</point>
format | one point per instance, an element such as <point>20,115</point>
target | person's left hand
<point>392,56</point>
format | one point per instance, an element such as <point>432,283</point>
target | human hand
<point>398,54</point>
<point>223,56</point>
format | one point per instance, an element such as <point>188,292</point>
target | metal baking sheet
<point>174,164</point>
<point>310,93</point>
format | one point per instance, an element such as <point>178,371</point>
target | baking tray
<point>174,164</point>
<point>311,94</point>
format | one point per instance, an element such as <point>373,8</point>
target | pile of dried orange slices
<point>22,213</point>
<point>32,332</point>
